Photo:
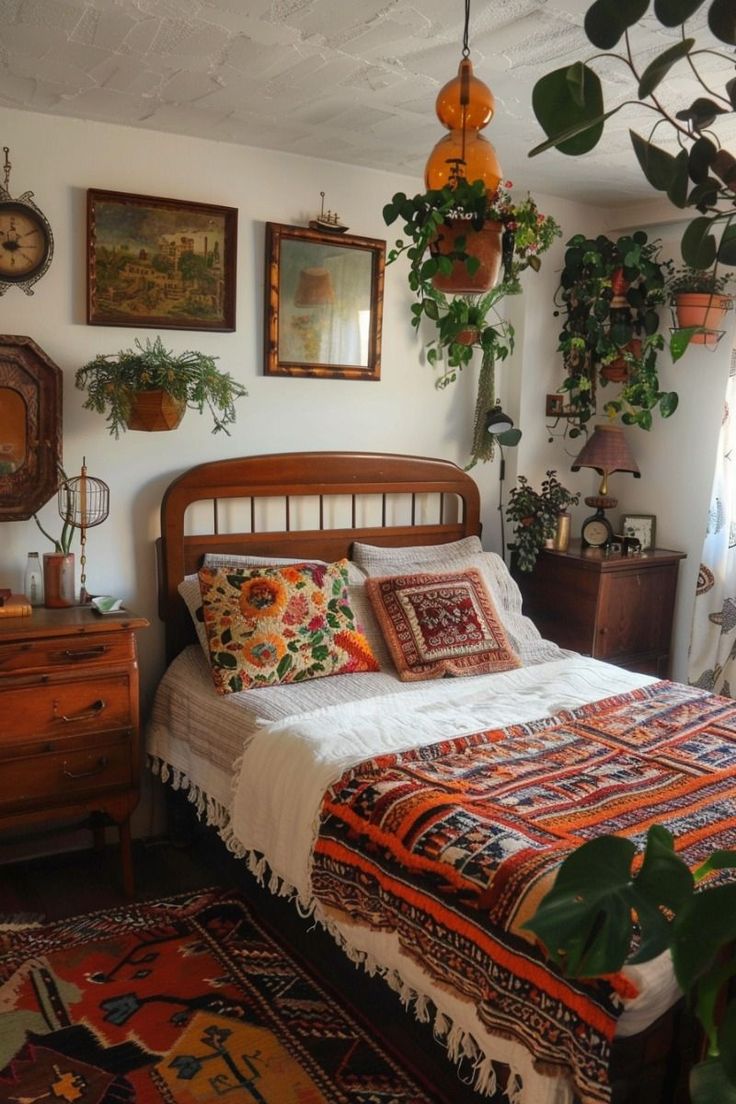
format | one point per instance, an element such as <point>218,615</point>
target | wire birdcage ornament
<point>83,502</point>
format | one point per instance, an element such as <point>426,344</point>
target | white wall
<point>60,158</point>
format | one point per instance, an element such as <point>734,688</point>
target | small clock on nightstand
<point>596,530</point>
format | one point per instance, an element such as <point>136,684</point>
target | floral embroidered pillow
<point>268,625</point>
<point>440,624</point>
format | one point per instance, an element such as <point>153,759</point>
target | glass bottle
<point>33,581</point>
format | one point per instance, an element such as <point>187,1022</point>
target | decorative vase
<point>485,244</point>
<point>155,411</point>
<point>562,533</point>
<point>58,580</point>
<point>701,309</point>
<point>619,286</point>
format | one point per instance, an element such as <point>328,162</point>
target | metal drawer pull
<point>101,764</point>
<point>94,711</point>
<point>87,653</point>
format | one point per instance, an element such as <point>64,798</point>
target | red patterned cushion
<point>440,624</point>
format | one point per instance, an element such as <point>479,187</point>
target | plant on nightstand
<point>150,387</point>
<point>535,515</point>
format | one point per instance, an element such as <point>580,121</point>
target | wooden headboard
<point>443,505</point>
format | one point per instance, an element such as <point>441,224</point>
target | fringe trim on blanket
<point>460,1044</point>
<point>209,811</point>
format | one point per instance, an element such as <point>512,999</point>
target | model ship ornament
<point>327,220</point>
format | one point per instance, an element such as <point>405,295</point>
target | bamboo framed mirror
<point>30,427</point>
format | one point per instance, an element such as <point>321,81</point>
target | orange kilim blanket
<point>453,845</point>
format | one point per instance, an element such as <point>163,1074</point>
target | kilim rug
<point>186,999</point>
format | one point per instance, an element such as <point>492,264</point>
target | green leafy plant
<point>64,542</point>
<point>608,296</point>
<point>687,280</point>
<point>701,174</point>
<point>535,514</point>
<point>607,908</point>
<point>467,322</point>
<point>112,380</point>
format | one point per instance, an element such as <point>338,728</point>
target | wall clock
<point>26,241</point>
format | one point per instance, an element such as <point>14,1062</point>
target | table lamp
<point>607,451</point>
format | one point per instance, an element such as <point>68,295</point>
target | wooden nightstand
<point>616,608</point>
<point>69,724</point>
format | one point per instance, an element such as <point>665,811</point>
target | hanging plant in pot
<point>150,387</point>
<point>701,300</point>
<point>469,321</point>
<point>609,296</point>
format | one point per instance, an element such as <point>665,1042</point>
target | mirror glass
<point>13,430</point>
<point>30,427</point>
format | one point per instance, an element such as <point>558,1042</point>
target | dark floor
<point>59,886</point>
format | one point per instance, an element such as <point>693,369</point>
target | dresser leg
<point>126,858</point>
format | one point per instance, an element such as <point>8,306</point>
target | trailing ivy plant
<point>467,322</point>
<point>701,174</point>
<point>608,297</point>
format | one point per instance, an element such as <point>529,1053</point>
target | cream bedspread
<point>258,763</point>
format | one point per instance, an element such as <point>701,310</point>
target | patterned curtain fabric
<point>712,663</point>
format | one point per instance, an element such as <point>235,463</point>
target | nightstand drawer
<point>60,708</point>
<point>66,652</point>
<point>55,776</point>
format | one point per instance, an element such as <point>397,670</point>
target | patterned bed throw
<point>453,845</point>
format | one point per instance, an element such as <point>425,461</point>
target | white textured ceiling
<point>346,80</point>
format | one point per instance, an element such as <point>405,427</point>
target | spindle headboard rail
<point>306,475</point>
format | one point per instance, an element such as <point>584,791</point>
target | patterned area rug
<point>182,1000</point>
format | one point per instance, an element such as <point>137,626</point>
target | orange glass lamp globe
<point>464,105</point>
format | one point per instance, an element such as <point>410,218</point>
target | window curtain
<point>712,661</point>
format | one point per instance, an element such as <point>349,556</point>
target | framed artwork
<point>164,263</point>
<point>641,526</point>
<point>554,406</point>
<point>324,304</point>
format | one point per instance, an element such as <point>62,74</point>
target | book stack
<point>13,605</point>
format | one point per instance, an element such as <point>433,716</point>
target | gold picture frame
<point>324,304</point>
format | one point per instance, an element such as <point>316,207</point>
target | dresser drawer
<point>57,776</point>
<point>70,705</point>
<point>67,652</point>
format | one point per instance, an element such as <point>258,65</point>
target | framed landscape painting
<point>324,303</point>
<point>164,263</point>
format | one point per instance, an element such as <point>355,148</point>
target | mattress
<point>246,758</point>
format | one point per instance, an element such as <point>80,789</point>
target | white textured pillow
<point>468,552</point>
<point>190,592</point>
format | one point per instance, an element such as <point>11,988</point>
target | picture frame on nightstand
<point>641,526</point>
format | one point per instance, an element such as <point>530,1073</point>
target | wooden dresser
<point>69,721</point>
<point>616,608</point>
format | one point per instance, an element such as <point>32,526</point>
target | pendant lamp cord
<point>466,48</point>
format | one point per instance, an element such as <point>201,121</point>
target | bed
<point>257,764</point>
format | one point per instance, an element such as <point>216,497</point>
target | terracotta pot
<point>468,336</point>
<point>58,580</point>
<point>618,370</point>
<point>485,244</point>
<point>701,309</point>
<point>154,411</point>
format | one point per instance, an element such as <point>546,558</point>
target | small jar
<point>33,580</point>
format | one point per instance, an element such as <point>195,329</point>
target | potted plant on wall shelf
<point>700,298</point>
<point>453,287</point>
<point>534,514</point>
<point>150,387</point>
<point>608,296</point>
<point>701,174</point>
